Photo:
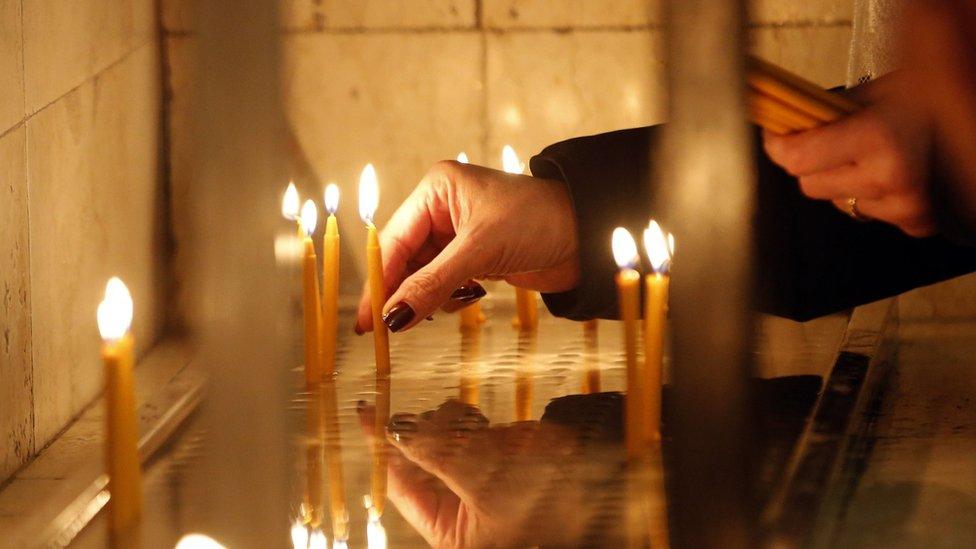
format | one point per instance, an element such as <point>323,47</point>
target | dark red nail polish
<point>359,331</point>
<point>399,316</point>
<point>469,293</point>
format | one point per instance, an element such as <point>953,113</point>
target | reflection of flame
<point>510,160</point>
<point>198,541</point>
<point>115,311</point>
<point>624,248</point>
<point>375,535</point>
<point>310,216</point>
<point>462,157</point>
<point>369,194</point>
<point>332,198</point>
<point>299,535</point>
<point>339,544</point>
<point>657,246</point>
<point>318,540</point>
<point>289,204</point>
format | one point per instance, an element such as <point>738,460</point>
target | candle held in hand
<point>311,302</point>
<point>368,201</point>
<point>628,292</point>
<point>330,281</point>
<point>122,436</point>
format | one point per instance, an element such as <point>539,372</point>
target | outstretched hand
<point>466,222</point>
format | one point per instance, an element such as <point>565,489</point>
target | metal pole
<point>240,313</point>
<point>707,196</point>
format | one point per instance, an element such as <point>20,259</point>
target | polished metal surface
<point>465,471</point>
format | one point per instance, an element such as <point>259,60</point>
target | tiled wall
<point>404,83</point>
<point>79,200</point>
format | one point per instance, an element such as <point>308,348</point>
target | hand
<point>466,222</point>
<point>877,155</point>
<point>461,482</point>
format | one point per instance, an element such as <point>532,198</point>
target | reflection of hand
<point>877,155</point>
<point>467,222</point>
<point>463,483</point>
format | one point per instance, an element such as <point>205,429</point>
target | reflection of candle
<point>290,204</point>
<point>470,354</point>
<point>312,306</point>
<point>369,196</point>
<point>591,368</point>
<point>659,252</point>
<point>628,289</point>
<point>525,300</point>
<point>524,382</point>
<point>122,450</point>
<point>330,280</point>
<point>381,418</point>
<point>333,457</point>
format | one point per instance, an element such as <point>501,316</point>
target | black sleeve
<point>811,259</point>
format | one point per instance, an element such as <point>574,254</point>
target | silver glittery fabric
<point>873,47</point>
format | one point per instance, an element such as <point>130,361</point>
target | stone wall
<point>79,201</point>
<point>404,83</point>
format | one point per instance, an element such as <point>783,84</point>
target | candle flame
<point>290,202</point>
<point>462,157</point>
<point>114,313</point>
<point>624,248</point>
<point>198,541</point>
<point>657,246</point>
<point>510,160</point>
<point>332,198</point>
<point>369,194</point>
<point>310,216</point>
<point>317,540</point>
<point>299,535</point>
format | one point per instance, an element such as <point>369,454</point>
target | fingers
<point>810,151</point>
<point>423,292</point>
<point>909,213</point>
<point>844,181</point>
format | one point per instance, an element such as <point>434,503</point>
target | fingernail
<point>431,317</point>
<point>469,292</point>
<point>399,316</point>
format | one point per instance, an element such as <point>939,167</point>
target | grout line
<point>30,255</point>
<point>479,27</point>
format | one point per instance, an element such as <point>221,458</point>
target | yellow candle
<point>659,252</point>
<point>369,194</point>
<point>524,378</point>
<point>330,281</point>
<point>312,306</point>
<point>122,433</point>
<point>628,290</point>
<point>379,473</point>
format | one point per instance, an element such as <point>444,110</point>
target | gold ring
<point>854,212</point>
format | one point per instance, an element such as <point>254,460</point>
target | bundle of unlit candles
<point>783,102</point>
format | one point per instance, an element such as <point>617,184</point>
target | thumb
<point>429,287</point>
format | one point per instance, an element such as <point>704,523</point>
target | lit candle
<point>628,289</point>
<point>471,316</point>
<point>369,196</point>
<point>122,437</point>
<point>290,205</point>
<point>312,306</point>
<point>330,280</point>
<point>660,250</point>
<point>525,300</point>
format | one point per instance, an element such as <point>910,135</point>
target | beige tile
<point>817,53</point>
<point>95,192</point>
<point>591,82</point>
<point>387,14</point>
<point>11,65</point>
<point>399,101</point>
<point>111,32</point>
<point>15,338</point>
<point>784,12</point>
<point>569,13</point>
<point>58,53</point>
